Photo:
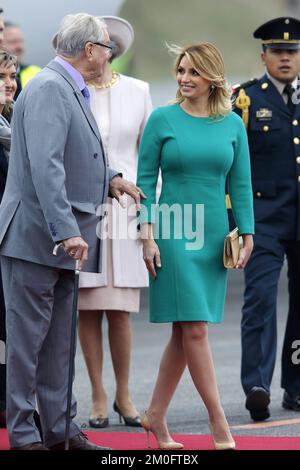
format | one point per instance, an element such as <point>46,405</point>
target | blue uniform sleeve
<point>148,167</point>
<point>239,182</point>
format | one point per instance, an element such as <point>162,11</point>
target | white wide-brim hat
<point>120,31</point>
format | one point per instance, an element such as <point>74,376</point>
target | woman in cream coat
<point>121,106</point>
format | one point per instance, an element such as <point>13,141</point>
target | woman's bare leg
<point>120,347</point>
<point>171,368</point>
<point>200,363</point>
<point>90,335</point>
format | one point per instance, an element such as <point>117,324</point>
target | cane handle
<point>56,247</point>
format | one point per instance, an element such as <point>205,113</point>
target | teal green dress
<point>195,155</point>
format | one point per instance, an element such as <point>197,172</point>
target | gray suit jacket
<point>57,172</point>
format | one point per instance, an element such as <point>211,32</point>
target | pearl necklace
<point>113,80</point>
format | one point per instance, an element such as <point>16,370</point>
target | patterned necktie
<point>86,95</point>
<point>289,90</point>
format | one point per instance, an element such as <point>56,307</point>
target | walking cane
<point>72,349</point>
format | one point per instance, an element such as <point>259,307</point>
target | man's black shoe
<point>79,442</point>
<point>257,402</point>
<point>31,446</point>
<point>291,403</point>
<point>260,415</point>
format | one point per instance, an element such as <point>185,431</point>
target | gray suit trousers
<point>38,302</point>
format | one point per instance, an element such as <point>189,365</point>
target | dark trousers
<point>3,359</point>
<point>259,325</point>
<point>39,302</point>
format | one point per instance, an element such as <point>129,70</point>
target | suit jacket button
<point>258,194</point>
<point>95,155</point>
<point>295,122</point>
<point>266,128</point>
<point>298,160</point>
<point>296,140</point>
<point>299,179</point>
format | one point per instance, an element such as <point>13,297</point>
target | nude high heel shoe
<point>222,445</point>
<point>164,445</point>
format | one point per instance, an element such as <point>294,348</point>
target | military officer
<point>271,112</point>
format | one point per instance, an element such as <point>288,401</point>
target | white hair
<point>76,30</point>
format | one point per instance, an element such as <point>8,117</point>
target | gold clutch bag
<point>231,249</point>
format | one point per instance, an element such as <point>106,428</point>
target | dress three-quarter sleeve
<point>239,182</point>
<point>148,166</point>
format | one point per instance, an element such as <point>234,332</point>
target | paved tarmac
<point>187,413</point>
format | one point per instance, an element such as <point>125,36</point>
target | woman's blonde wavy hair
<point>208,62</point>
<point>8,60</point>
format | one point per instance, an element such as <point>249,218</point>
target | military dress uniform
<point>272,119</point>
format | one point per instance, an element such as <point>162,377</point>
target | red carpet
<point>137,441</point>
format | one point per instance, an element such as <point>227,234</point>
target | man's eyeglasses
<point>107,46</point>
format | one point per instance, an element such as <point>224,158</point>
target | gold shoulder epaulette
<point>236,88</point>
<point>243,102</point>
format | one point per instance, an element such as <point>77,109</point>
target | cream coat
<point>130,106</point>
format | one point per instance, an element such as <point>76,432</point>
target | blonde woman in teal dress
<point>198,143</point>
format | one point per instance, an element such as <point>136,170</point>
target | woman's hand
<point>245,251</point>
<point>151,256</point>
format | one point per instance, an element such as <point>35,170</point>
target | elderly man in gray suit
<point>57,179</point>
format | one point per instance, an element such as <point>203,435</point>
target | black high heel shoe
<point>98,422</point>
<point>129,421</point>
